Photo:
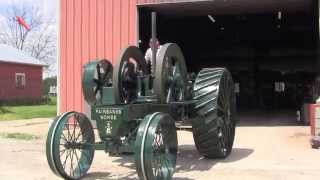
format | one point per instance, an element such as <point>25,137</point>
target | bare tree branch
<point>39,41</point>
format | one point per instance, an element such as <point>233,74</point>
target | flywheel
<point>170,81</point>
<point>95,76</point>
<point>130,64</point>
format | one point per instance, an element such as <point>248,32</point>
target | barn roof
<point>13,55</point>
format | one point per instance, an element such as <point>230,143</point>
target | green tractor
<point>139,112</point>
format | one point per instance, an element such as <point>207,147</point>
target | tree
<point>39,41</point>
<point>47,83</point>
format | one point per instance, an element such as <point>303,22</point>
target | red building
<point>269,39</point>
<point>20,75</point>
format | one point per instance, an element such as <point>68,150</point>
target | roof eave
<point>30,64</point>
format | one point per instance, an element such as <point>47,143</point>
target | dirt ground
<point>264,151</point>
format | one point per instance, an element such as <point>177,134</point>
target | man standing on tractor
<point>148,55</point>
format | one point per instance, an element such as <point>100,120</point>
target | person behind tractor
<point>148,55</point>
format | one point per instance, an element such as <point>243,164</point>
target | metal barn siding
<point>141,2</point>
<point>90,29</point>
<point>33,87</point>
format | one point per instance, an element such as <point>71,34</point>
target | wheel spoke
<point>68,129</point>
<point>74,128</point>
<point>71,163</point>
<point>79,134</point>
<point>64,137</point>
<point>62,152</point>
<point>78,160</point>
<point>98,71</point>
<point>65,161</point>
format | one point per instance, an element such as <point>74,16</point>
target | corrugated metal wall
<point>90,29</point>
<point>140,2</point>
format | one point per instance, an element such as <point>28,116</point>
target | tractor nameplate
<point>110,117</point>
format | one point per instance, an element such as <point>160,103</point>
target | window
<point>20,80</point>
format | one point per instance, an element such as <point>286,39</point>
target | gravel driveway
<point>263,152</point>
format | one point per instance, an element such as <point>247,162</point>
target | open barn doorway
<point>271,52</point>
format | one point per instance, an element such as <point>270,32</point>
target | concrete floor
<point>262,151</point>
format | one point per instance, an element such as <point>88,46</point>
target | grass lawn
<point>19,136</point>
<point>27,112</point>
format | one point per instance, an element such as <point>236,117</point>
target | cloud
<point>3,26</point>
<point>3,2</point>
<point>2,18</point>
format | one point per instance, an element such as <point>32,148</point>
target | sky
<point>48,8</point>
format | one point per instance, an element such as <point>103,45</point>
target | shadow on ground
<point>188,160</point>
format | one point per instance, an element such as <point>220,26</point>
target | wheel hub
<point>73,145</point>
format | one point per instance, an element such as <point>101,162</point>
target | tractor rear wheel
<point>214,120</point>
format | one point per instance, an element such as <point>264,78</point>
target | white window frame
<point>23,75</point>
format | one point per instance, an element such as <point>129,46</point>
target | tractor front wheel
<point>70,145</point>
<point>156,147</point>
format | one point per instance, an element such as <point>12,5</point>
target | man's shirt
<point>148,56</point>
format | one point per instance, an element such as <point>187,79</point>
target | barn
<point>270,47</point>
<point>20,76</point>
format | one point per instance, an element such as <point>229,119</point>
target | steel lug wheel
<point>214,120</point>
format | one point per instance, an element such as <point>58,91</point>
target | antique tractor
<point>138,112</point>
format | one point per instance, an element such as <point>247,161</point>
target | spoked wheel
<point>130,64</point>
<point>170,83</point>
<point>156,147</point>
<point>70,145</point>
<point>96,75</point>
<point>214,122</point>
